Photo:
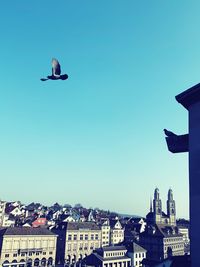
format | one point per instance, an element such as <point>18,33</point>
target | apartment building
<point>111,256</point>
<point>105,233</point>
<point>76,240</point>
<point>116,232</point>
<point>26,247</point>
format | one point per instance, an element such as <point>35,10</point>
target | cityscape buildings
<point>37,235</point>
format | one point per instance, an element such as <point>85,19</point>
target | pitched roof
<point>161,231</point>
<point>101,258</point>
<point>113,222</point>
<point>134,247</point>
<point>10,231</point>
<point>9,207</point>
<point>137,248</point>
<point>78,226</point>
<point>111,248</point>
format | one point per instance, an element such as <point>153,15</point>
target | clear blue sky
<point>97,138</point>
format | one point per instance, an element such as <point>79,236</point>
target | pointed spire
<point>170,194</point>
<point>156,193</point>
<point>151,208</point>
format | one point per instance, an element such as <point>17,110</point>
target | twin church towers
<point>156,215</point>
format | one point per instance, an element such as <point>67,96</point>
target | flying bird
<point>169,134</point>
<point>56,72</point>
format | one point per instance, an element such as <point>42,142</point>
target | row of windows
<point>29,254</point>
<point>118,232</point>
<point>82,246</point>
<point>23,244</point>
<point>173,239</point>
<point>84,237</point>
<point>138,263</point>
<point>120,235</point>
<point>139,255</point>
<point>105,233</point>
<point>174,247</point>
<point>115,254</point>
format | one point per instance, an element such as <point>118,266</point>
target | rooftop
<point>18,231</point>
<point>190,96</point>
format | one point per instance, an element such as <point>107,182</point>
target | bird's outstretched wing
<point>56,69</point>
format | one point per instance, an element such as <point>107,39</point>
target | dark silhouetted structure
<point>190,99</point>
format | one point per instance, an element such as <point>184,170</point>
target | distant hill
<point>129,216</point>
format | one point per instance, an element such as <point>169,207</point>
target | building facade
<point>2,211</point>
<point>76,240</point>
<point>105,233</point>
<point>136,253</point>
<point>162,242</point>
<point>156,215</point>
<point>116,232</point>
<point>26,247</point>
<point>111,256</point>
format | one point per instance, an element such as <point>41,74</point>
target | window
<point>31,243</point>
<point>81,237</point>
<point>16,244</point>
<point>92,237</point>
<point>96,236</point>
<point>136,255</point>
<point>50,253</point>
<point>69,237</point>
<point>6,255</point>
<point>22,254</point>
<point>14,255</point>
<point>37,244</point>
<point>75,237</point>
<point>86,237</point>
<point>37,253</point>
<point>30,253</point>
<point>44,253</point>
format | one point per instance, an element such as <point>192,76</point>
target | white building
<point>2,211</point>
<point>105,233</point>
<point>116,232</point>
<point>69,218</point>
<point>76,240</point>
<point>185,232</point>
<point>8,220</point>
<point>25,246</point>
<point>136,253</point>
<point>113,256</point>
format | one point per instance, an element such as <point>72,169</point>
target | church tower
<point>157,207</point>
<point>171,208</point>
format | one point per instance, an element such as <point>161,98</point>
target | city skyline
<point>97,138</point>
